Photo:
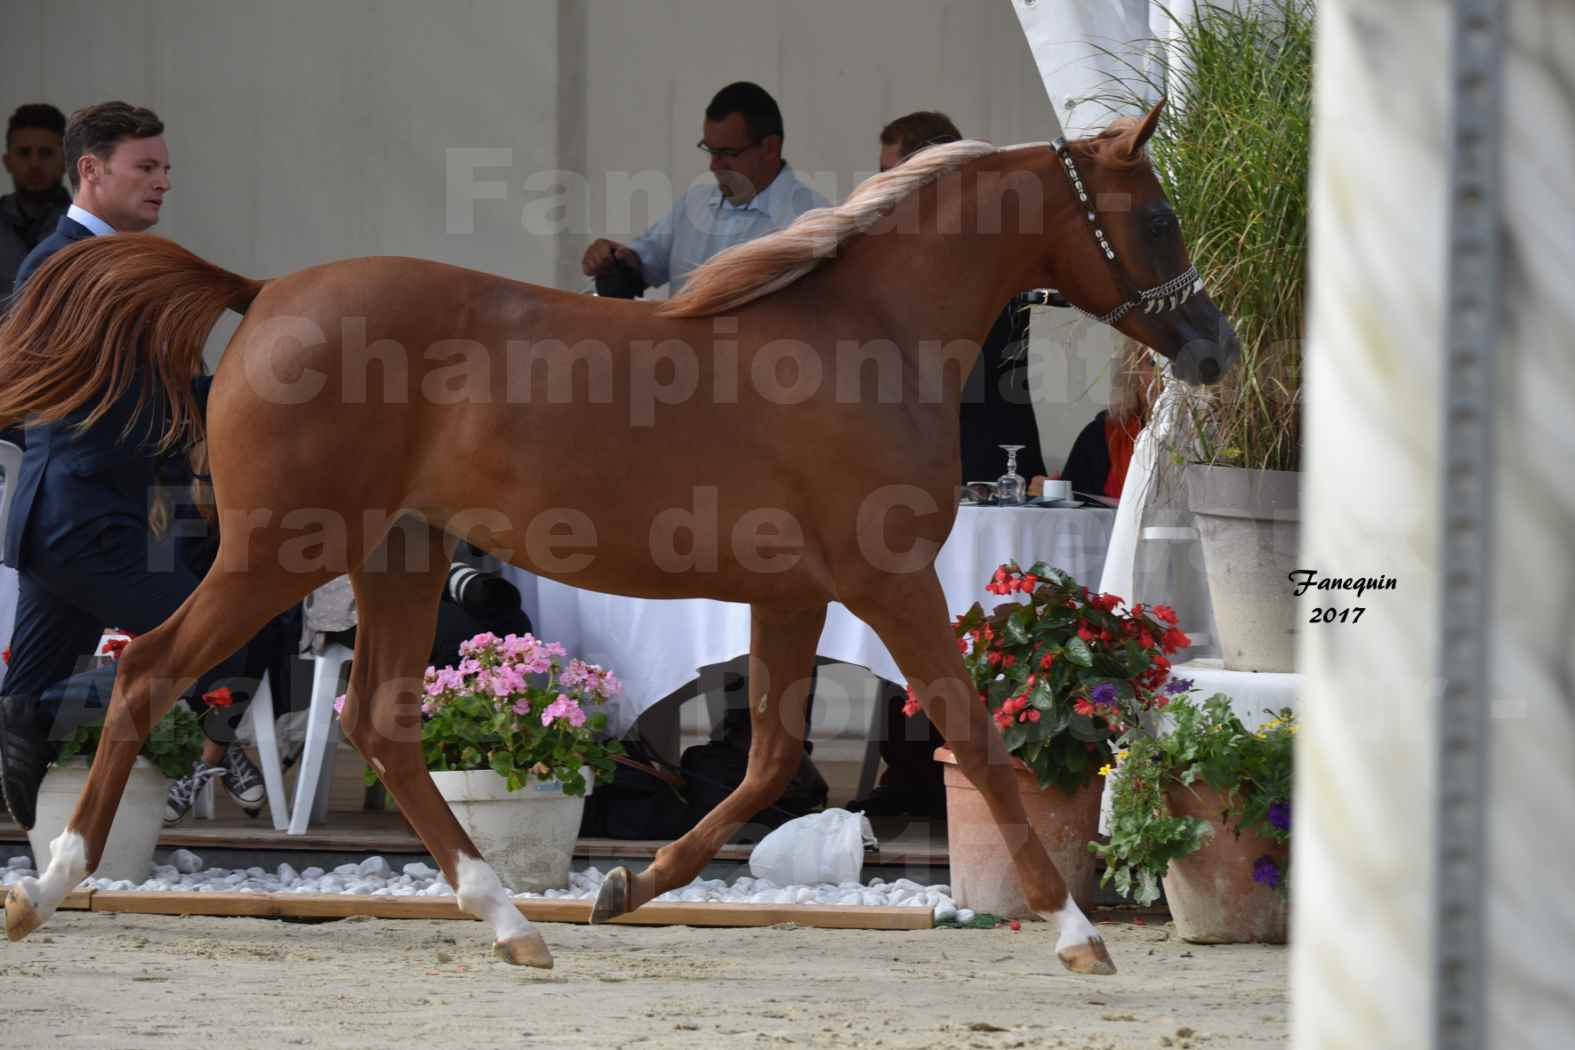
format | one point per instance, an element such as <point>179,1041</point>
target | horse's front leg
<point>781,657</point>
<point>910,615</point>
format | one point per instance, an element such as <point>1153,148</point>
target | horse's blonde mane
<point>747,272</point>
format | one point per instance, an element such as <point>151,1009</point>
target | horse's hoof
<point>1088,957</point>
<point>22,916</point>
<point>612,900</point>
<point>526,949</point>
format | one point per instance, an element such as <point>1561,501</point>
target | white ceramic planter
<point>134,834</point>
<point>527,835</point>
<point>1249,525</point>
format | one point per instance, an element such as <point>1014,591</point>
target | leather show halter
<point>1154,300</point>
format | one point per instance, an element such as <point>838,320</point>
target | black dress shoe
<point>25,754</point>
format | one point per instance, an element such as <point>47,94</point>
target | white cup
<point>1057,490</point>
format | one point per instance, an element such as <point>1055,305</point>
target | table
<point>657,646</point>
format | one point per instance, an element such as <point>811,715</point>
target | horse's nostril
<point>1209,370</point>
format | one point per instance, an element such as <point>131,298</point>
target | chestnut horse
<point>734,409</point>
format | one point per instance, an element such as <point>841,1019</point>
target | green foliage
<point>173,744</point>
<point>1233,152</point>
<point>1066,672</point>
<point>1203,742</point>
<point>511,707</point>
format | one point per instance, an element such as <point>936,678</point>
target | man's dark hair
<point>753,102</point>
<point>35,115</point>
<point>99,129</point>
<point>918,130</point>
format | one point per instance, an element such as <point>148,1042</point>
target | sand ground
<point>129,982</point>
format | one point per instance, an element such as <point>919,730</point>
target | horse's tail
<point>101,312</point>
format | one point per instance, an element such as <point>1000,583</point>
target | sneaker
<point>183,793</point>
<point>243,780</point>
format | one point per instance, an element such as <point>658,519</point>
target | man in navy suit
<point>79,531</point>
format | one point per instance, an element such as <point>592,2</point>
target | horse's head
<point>1124,262</point>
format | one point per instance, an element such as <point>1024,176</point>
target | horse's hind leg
<point>911,618</point>
<point>154,670</point>
<point>781,657</point>
<point>397,609</point>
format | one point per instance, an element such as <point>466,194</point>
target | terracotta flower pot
<point>982,874</point>
<point>1212,895</point>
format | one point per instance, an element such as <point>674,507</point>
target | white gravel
<point>186,873</point>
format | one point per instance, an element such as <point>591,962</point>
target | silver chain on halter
<point>1155,300</point>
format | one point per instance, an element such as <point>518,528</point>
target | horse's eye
<point>1162,225</point>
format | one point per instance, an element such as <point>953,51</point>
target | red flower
<point>1083,707</point>
<point>1049,658</point>
<point>1030,582</point>
<point>1175,639</point>
<point>1084,633</point>
<point>1166,613</point>
<point>1008,661</point>
<point>220,697</point>
<point>1003,719</point>
<point>1145,639</point>
<point>114,646</point>
<point>962,645</point>
<point>6,656</point>
<point>911,707</point>
<point>994,657</point>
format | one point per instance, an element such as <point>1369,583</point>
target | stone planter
<point>527,835</point>
<point>982,875</point>
<point>134,833</point>
<point>1249,526</point>
<point>1212,896</point>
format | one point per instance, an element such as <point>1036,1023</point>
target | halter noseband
<point>1155,300</point>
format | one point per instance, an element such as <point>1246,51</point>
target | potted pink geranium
<point>514,738</point>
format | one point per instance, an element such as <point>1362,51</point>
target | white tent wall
<point>303,131</point>
<point>1366,835</point>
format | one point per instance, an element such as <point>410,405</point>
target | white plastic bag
<point>822,847</point>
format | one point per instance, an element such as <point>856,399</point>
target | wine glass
<point>1011,489</point>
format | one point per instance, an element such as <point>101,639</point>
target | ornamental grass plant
<point>1233,153</point>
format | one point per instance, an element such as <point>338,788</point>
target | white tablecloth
<point>656,646</point>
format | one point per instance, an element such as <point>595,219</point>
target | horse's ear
<point>1144,129</point>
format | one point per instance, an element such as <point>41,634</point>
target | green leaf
<point>1078,652</point>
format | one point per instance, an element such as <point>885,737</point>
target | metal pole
<point>1473,317</point>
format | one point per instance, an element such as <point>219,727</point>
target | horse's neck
<point>939,286</point>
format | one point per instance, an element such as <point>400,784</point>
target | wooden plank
<point>339,906</point>
<point>78,900</point>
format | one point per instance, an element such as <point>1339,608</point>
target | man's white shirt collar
<point>97,226</point>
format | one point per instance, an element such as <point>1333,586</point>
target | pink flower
<point>339,704</point>
<point>522,706</point>
<point>564,707</point>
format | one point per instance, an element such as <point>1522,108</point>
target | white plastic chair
<point>261,716</point>
<point>315,771</point>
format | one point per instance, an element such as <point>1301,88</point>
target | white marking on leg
<point>481,894</point>
<point>67,868</point>
<point>1074,926</point>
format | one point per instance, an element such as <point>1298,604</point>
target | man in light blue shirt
<point>756,193</point>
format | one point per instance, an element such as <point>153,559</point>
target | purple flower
<point>1103,693</point>
<point>1178,685</point>
<point>1266,871</point>
<point>1280,815</point>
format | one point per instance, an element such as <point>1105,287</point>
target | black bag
<point>713,769</point>
<point>637,804</point>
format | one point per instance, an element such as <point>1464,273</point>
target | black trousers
<point>114,574</point>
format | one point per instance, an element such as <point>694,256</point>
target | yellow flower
<point>1121,756</point>
<point>1104,771</point>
